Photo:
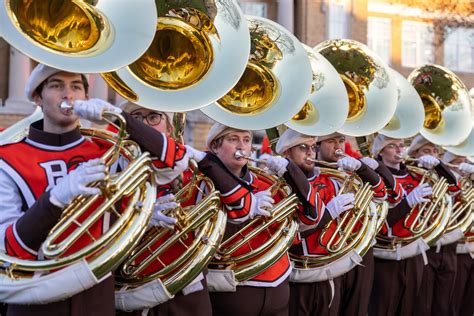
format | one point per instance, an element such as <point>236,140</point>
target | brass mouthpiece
<point>65,105</point>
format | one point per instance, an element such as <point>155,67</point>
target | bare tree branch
<point>446,15</point>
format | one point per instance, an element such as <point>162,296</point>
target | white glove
<point>418,194</point>
<point>340,203</point>
<point>92,109</point>
<point>466,168</point>
<point>428,162</point>
<point>277,165</point>
<point>370,162</point>
<point>349,164</point>
<point>194,153</point>
<point>163,203</point>
<point>75,183</point>
<point>260,201</point>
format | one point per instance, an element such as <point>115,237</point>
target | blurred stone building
<point>402,33</point>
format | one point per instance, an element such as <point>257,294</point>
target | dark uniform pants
<point>396,285</point>
<point>356,287</point>
<point>463,297</point>
<point>98,300</point>
<point>252,301</point>
<point>437,286</point>
<point>315,299</point>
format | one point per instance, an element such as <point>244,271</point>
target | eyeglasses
<point>305,148</point>
<point>152,118</point>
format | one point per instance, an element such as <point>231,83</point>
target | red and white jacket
<point>32,166</point>
<point>237,198</point>
<point>328,187</point>
<point>394,224</point>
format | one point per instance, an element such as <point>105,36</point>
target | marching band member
<point>397,282</point>
<point>44,172</point>
<point>356,285</point>
<point>194,298</point>
<point>246,196</point>
<point>312,298</point>
<point>461,301</point>
<point>324,297</point>
<point>439,274</point>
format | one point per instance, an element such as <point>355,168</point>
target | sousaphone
<point>327,107</point>
<point>170,259</point>
<point>83,36</point>
<point>275,85</point>
<point>409,114</point>
<point>72,254</point>
<point>446,102</point>
<point>198,53</point>
<point>371,88</point>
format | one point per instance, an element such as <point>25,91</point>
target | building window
<point>254,8</point>
<point>417,44</point>
<point>338,18</point>
<point>379,37</point>
<point>459,49</point>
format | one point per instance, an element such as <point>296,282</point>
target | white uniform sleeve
<point>10,202</point>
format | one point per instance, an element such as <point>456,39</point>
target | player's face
<point>392,153</point>
<point>231,143</point>
<point>300,153</point>
<point>329,147</point>
<point>60,87</point>
<point>428,149</point>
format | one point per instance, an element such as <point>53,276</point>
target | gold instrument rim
<point>293,73</point>
<point>456,124</point>
<point>232,42</point>
<point>328,98</point>
<point>127,41</point>
<point>380,94</point>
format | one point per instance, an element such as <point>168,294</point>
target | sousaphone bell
<point>327,107</point>
<point>370,86</point>
<point>83,36</point>
<point>446,102</point>
<point>275,85</point>
<point>409,114</point>
<point>199,52</point>
<point>466,148</point>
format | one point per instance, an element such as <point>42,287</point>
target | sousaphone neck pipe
<point>240,154</point>
<point>339,152</point>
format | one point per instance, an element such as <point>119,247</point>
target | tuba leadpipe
<point>240,154</point>
<point>339,152</point>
